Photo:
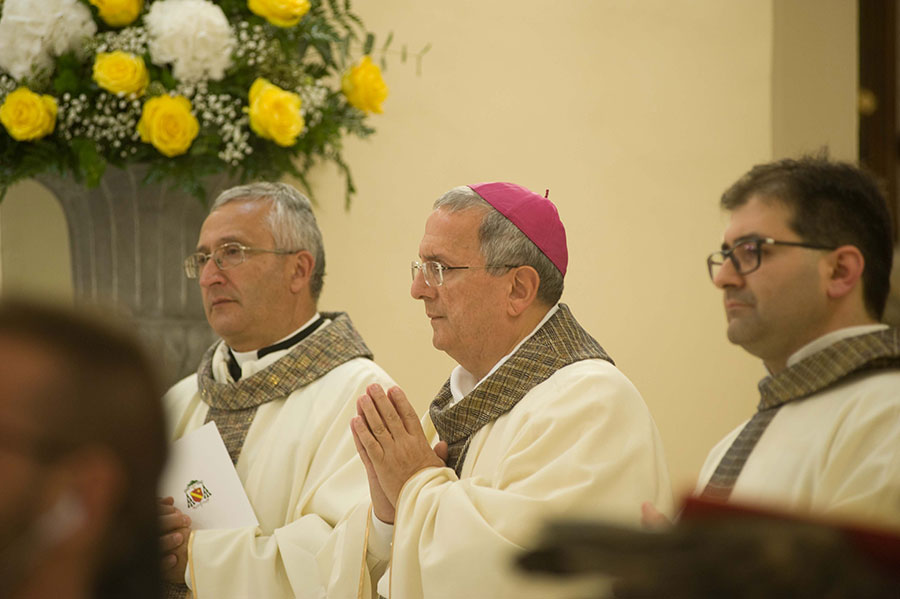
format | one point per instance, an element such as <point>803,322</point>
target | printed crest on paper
<point>196,493</point>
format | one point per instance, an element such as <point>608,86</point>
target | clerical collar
<point>308,328</point>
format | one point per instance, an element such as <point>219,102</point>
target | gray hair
<point>503,243</point>
<point>291,222</point>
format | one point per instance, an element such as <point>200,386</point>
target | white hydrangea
<point>31,35</point>
<point>193,36</point>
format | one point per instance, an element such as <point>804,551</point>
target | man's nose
<point>419,289</point>
<point>728,275</point>
<point>210,273</point>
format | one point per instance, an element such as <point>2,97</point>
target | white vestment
<point>581,443</point>
<point>834,453</point>
<point>302,474</point>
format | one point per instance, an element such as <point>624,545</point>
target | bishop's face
<point>465,310</point>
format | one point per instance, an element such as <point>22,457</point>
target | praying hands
<point>392,446</point>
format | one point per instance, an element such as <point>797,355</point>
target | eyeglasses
<point>746,255</point>
<point>434,271</point>
<point>225,256</point>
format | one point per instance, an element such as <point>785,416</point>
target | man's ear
<point>845,268</point>
<point>523,289</point>
<point>303,264</point>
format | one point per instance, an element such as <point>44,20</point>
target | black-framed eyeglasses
<point>434,271</point>
<point>225,256</point>
<point>746,254</point>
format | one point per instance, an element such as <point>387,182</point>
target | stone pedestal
<point>128,241</point>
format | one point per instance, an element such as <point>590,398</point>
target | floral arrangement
<point>257,88</point>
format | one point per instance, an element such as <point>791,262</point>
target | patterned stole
<point>560,342</point>
<point>837,362</point>
<point>233,405</point>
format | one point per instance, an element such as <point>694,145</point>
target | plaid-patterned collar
<point>871,351</point>
<point>312,358</point>
<point>560,342</point>
<point>818,371</point>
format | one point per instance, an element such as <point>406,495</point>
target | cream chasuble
<point>836,451</point>
<point>579,442</point>
<point>298,465</point>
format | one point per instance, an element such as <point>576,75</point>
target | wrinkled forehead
<point>452,235</point>
<point>244,221</point>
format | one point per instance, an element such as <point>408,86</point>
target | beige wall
<point>34,250</point>
<point>635,115</point>
<point>814,82</point>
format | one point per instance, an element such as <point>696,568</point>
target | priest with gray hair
<point>535,420</point>
<point>279,386</point>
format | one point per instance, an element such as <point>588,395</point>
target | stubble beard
<point>746,332</point>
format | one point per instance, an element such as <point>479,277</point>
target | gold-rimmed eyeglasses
<point>434,271</point>
<point>225,256</point>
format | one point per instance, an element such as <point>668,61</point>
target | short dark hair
<point>833,203</point>
<point>103,392</point>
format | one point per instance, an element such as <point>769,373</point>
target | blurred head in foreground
<point>82,444</point>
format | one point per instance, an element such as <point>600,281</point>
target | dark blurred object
<point>725,550</point>
<point>892,309</point>
<point>82,444</point>
<point>877,95</point>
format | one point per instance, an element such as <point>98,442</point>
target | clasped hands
<point>175,531</point>
<point>392,445</point>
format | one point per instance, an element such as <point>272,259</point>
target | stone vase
<point>128,241</point>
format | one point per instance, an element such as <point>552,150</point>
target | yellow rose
<point>275,113</point>
<point>168,124</point>
<point>118,13</point>
<point>364,87</point>
<point>28,116</point>
<point>120,72</point>
<point>283,13</point>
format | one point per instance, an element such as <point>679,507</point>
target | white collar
<point>248,359</point>
<point>462,382</point>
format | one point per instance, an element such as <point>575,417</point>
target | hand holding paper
<point>204,484</point>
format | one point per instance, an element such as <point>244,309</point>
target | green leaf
<point>70,76</point>
<point>66,81</point>
<point>419,57</point>
<point>90,165</point>
<point>370,42</point>
<point>167,79</point>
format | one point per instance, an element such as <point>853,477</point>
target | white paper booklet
<point>204,483</point>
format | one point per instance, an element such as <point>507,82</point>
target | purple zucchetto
<point>534,215</point>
